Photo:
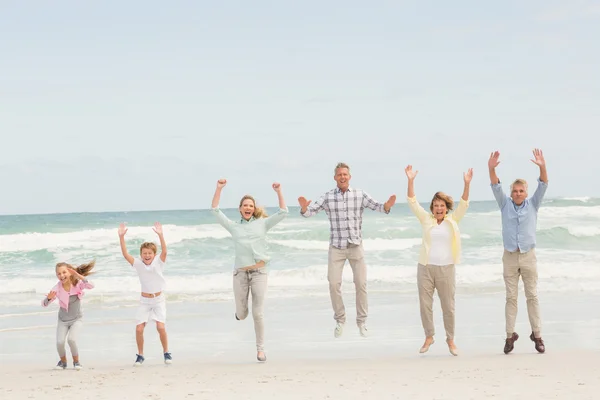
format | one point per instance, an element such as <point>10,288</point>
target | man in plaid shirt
<point>344,207</point>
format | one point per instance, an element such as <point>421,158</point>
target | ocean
<point>199,264</point>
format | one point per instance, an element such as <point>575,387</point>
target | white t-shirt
<point>151,276</point>
<point>440,252</point>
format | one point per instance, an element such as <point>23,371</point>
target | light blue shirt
<point>249,237</point>
<point>519,222</point>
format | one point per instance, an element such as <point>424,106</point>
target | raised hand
<point>122,230</point>
<point>277,187</point>
<point>390,203</point>
<point>410,174</point>
<point>303,203</point>
<point>73,271</point>
<point>467,176</point>
<point>538,158</point>
<point>51,295</point>
<point>494,160</point>
<point>221,183</point>
<point>158,228</point>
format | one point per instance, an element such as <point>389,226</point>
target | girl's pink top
<point>63,296</point>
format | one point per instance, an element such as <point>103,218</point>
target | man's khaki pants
<point>524,265</point>
<point>337,258</point>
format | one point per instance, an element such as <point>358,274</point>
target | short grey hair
<point>519,181</point>
<point>341,165</point>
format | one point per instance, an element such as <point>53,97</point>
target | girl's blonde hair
<point>83,269</point>
<point>259,212</point>
<point>443,197</point>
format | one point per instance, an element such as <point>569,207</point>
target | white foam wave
<point>583,199</point>
<point>314,275</point>
<point>100,239</point>
<point>368,244</point>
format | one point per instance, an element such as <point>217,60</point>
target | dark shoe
<point>168,358</point>
<point>262,358</point>
<point>510,343</point>
<point>539,343</point>
<point>61,365</point>
<point>236,317</point>
<point>139,360</point>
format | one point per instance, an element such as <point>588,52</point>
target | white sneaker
<point>339,329</point>
<point>363,330</point>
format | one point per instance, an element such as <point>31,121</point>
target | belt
<point>252,270</point>
<point>151,295</point>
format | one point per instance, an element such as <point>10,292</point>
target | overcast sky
<point>137,105</point>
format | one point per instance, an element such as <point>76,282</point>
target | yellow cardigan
<point>428,221</point>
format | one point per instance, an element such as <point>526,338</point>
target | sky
<point>143,105</point>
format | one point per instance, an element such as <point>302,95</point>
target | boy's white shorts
<point>152,308</point>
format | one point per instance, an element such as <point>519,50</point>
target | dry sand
<point>561,375</point>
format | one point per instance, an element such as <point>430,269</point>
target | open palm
<point>410,174</point>
<point>158,228</point>
<point>122,230</point>
<point>468,175</point>
<point>494,159</point>
<point>538,158</point>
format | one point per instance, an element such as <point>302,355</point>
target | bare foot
<point>260,356</point>
<point>452,347</point>
<point>428,342</point>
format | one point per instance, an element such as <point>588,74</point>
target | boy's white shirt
<point>151,276</point>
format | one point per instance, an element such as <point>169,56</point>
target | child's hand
<point>122,230</point>
<point>277,187</point>
<point>73,271</point>
<point>221,183</point>
<point>158,228</point>
<point>51,295</point>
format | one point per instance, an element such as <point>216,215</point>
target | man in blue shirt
<point>519,220</point>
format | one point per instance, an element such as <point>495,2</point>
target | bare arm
<point>277,189</point>
<point>217,196</point>
<point>411,175</point>
<point>163,245</point>
<point>274,219</point>
<point>492,164</point>
<point>467,176</point>
<point>538,159</point>
<point>122,232</point>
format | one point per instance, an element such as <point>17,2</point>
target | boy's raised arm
<point>163,245</point>
<point>122,232</point>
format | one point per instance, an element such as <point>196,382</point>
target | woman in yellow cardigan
<point>440,252</point>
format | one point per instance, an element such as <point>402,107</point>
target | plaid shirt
<point>345,214</point>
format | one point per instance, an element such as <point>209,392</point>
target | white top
<point>441,244</point>
<point>151,276</point>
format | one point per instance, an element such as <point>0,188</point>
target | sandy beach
<point>561,375</point>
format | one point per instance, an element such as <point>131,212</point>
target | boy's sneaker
<point>77,366</point>
<point>61,365</point>
<point>139,360</point>
<point>168,358</point>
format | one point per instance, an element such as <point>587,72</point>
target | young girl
<point>69,291</point>
<point>249,273</point>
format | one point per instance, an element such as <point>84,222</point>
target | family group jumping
<point>344,205</point>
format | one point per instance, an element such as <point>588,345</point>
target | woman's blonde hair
<point>259,212</point>
<point>443,197</point>
<point>83,269</point>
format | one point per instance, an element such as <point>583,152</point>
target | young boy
<point>152,301</point>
